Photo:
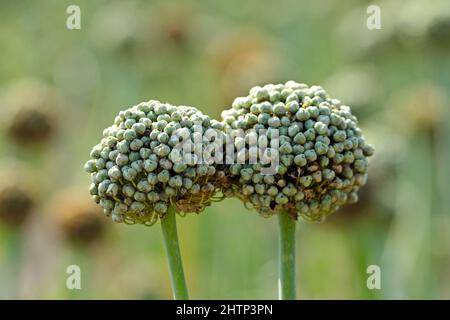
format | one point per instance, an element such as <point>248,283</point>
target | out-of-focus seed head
<point>78,218</point>
<point>241,59</point>
<point>138,170</point>
<point>30,114</point>
<point>15,205</point>
<point>323,156</point>
<point>419,108</point>
<point>17,194</point>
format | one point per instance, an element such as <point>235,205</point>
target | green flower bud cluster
<point>323,156</point>
<point>137,172</point>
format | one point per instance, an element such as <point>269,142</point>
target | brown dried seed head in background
<point>80,220</point>
<point>30,111</point>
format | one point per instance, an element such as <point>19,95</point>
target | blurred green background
<point>205,53</point>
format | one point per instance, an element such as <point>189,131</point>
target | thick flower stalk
<point>319,154</point>
<point>148,166</point>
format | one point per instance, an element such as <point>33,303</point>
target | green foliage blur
<point>205,53</point>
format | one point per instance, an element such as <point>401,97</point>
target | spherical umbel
<point>320,152</point>
<point>138,170</point>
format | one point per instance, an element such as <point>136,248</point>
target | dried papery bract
<point>322,159</point>
<point>139,176</point>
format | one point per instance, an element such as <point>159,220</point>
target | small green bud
<point>274,122</point>
<point>115,173</point>
<point>257,178</point>
<point>321,128</point>
<point>269,179</point>
<point>144,186</point>
<point>122,159</point>
<point>310,155</point>
<point>292,106</point>
<point>128,190</point>
<point>113,190</point>
<point>321,148</point>
<point>137,207</point>
<point>281,198</point>
<point>139,196</point>
<point>139,128</point>
<point>176,181</point>
<point>279,109</point>
<point>136,145</point>
<point>195,188</point>
<point>152,178</point>
<point>300,160</point>
<point>299,138</point>
<point>247,189</point>
<point>340,136</point>
<point>361,165</point>
<point>162,150</point>
<point>129,123</point>
<point>129,173</point>
<point>93,190</point>
<point>164,176</point>
<point>286,148</point>
<point>150,165</point>
<point>260,188</point>
<point>293,130</point>
<point>90,166</point>
<point>129,135</point>
<point>160,207</point>
<point>306,181</point>
<point>272,191</point>
<point>299,196</point>
<point>262,94</point>
<point>310,134</point>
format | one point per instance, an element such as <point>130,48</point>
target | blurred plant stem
<point>286,257</point>
<point>169,230</point>
<point>15,246</point>
<point>81,258</point>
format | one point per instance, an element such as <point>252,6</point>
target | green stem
<point>286,257</point>
<point>15,255</point>
<point>169,230</point>
<point>79,256</point>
